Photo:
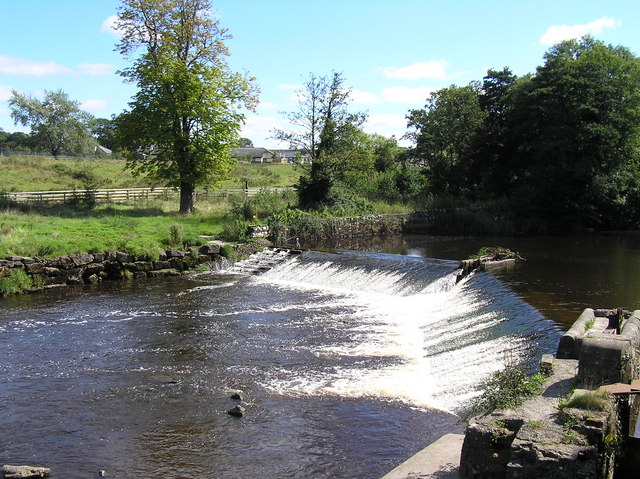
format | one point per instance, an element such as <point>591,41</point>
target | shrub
<point>16,282</point>
<point>591,401</point>
<point>227,251</point>
<point>176,235</point>
<point>506,389</point>
<point>235,229</point>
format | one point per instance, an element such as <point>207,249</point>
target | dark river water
<point>350,361</point>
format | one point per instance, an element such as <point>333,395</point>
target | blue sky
<point>391,53</point>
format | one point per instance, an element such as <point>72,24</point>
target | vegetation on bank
<point>136,229</point>
<point>506,389</point>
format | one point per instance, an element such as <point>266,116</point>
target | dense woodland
<point>559,147</point>
<point>552,151</point>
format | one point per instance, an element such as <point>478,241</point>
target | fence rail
<point>121,195</point>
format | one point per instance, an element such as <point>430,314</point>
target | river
<point>349,361</point>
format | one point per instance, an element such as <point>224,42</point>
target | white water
<point>407,331</point>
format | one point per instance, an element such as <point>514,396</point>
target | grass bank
<point>135,229</point>
<point>34,173</point>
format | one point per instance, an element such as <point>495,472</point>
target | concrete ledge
<point>440,459</point>
<point>570,342</point>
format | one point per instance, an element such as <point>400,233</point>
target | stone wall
<point>576,437</point>
<point>108,265</point>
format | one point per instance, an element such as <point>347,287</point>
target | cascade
<point>406,329</point>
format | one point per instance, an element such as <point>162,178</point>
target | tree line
<point>552,151</point>
<point>560,146</point>
<point>557,149</point>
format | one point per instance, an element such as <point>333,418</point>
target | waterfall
<point>398,327</point>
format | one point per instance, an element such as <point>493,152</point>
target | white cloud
<point>97,69</point>
<point>387,124</point>
<point>94,106</point>
<point>18,66</point>
<point>435,70</point>
<point>403,94</point>
<point>110,25</point>
<point>258,130</point>
<point>364,97</point>
<point>558,33</point>
<point>5,93</point>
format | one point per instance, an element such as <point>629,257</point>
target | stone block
<point>93,268</point>
<point>161,265</point>
<point>24,472</point>
<point>546,364</point>
<point>601,359</point>
<point>210,249</point>
<point>82,259</point>
<point>143,266</point>
<point>177,263</point>
<point>571,341</point>
<point>175,253</point>
<point>123,257</point>
<point>164,273</point>
<point>34,268</point>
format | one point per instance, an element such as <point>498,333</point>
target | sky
<point>392,53</point>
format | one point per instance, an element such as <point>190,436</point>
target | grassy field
<point>137,229</point>
<point>32,173</point>
<point>140,228</point>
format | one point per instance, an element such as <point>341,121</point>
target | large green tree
<point>104,131</point>
<point>444,133</point>
<point>188,110</point>
<point>57,123</point>
<point>328,133</point>
<point>577,124</point>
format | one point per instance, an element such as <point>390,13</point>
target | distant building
<point>291,156</point>
<point>253,155</point>
<point>262,155</point>
<point>101,150</point>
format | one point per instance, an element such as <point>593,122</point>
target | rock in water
<point>24,472</point>
<point>236,411</point>
<point>237,396</point>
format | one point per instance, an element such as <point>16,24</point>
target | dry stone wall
<point>108,265</point>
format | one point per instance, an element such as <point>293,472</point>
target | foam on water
<point>411,333</point>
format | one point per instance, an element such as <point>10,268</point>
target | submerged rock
<point>236,411</point>
<point>24,472</point>
<point>238,396</point>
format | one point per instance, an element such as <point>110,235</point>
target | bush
<point>17,282</point>
<point>346,204</point>
<point>263,205</point>
<point>591,401</point>
<point>176,235</point>
<point>235,230</point>
<point>506,389</point>
<point>227,251</point>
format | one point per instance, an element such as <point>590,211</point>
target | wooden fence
<point>121,195</point>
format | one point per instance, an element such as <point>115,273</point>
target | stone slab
<point>440,459</point>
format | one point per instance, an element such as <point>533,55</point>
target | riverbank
<point>29,274</point>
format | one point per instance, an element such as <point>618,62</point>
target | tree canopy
<point>187,113</point>
<point>561,145</point>
<point>57,123</point>
<point>327,132</point>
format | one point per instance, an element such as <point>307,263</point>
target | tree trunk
<point>187,196</point>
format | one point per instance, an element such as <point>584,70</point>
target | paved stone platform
<point>440,460</point>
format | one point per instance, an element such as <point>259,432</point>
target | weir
<point>432,334</point>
